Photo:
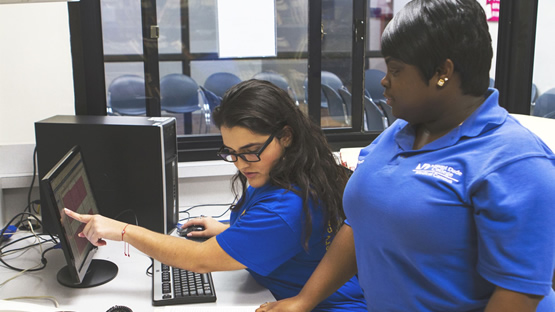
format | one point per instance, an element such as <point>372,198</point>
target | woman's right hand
<point>212,227</point>
<point>293,304</point>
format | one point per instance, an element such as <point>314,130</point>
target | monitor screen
<point>67,185</point>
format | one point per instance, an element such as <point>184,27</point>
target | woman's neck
<point>430,131</point>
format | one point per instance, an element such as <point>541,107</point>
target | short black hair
<point>425,33</point>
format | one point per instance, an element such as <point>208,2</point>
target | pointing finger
<point>74,215</point>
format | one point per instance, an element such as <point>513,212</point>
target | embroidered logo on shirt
<point>443,172</point>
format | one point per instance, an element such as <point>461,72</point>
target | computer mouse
<point>189,229</point>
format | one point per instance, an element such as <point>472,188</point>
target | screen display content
<point>67,186</point>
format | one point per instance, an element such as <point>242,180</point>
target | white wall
<point>36,79</point>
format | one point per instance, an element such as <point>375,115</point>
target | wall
<point>36,79</point>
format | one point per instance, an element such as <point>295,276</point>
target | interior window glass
<point>543,87</point>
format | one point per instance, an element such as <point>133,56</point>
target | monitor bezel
<point>77,271</point>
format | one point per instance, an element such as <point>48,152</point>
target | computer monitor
<point>67,185</point>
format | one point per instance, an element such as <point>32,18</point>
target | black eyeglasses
<point>226,155</point>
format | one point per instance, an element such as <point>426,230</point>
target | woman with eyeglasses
<point>289,201</point>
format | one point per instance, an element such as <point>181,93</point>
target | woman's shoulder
<point>272,193</point>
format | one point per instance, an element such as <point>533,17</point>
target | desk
<point>131,287</point>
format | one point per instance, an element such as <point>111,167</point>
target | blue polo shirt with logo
<point>437,229</point>
<point>266,235</point>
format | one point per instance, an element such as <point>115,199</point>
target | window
<point>319,60</point>
<point>543,84</point>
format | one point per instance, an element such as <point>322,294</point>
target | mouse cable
<point>188,217</point>
<point>229,206</point>
<point>204,205</point>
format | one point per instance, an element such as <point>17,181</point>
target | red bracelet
<point>125,245</point>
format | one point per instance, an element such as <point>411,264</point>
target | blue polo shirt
<point>437,229</point>
<point>266,235</point>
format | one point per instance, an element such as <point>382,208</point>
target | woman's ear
<point>287,136</point>
<point>446,69</point>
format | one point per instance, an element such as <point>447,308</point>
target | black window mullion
<point>359,39</point>
<point>87,52</point>
<point>314,59</point>
<point>515,54</point>
<point>150,52</point>
<point>185,38</point>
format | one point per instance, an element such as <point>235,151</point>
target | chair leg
<point>187,123</point>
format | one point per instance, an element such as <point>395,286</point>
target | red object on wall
<point>493,5</point>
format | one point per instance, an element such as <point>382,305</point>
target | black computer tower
<point>131,163</point>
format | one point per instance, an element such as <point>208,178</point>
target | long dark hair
<point>308,162</point>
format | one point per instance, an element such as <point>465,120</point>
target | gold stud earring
<point>442,81</point>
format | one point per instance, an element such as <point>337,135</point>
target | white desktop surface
<point>235,290</point>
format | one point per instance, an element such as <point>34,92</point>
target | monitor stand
<point>99,272</point>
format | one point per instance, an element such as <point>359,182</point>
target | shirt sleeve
<point>263,238</point>
<point>515,220</point>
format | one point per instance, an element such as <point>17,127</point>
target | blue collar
<point>486,117</point>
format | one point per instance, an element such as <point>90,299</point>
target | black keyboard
<point>177,286</point>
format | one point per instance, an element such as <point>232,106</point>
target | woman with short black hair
<point>452,207</point>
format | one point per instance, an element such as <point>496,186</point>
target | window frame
<point>513,58</point>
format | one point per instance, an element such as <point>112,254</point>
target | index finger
<point>77,216</point>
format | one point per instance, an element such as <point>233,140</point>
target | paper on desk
<point>193,308</point>
<point>349,157</point>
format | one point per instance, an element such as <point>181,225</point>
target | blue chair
<point>219,83</point>
<point>180,94</point>
<point>388,112</point>
<point>373,84</point>
<point>534,93</point>
<point>545,104</point>
<point>336,107</point>
<point>329,79</point>
<point>375,118</point>
<point>347,99</point>
<point>332,80</point>
<point>279,81</point>
<point>211,101</point>
<point>323,100</point>
<point>126,96</point>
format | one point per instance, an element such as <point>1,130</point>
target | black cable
<point>204,205</point>
<point>33,179</point>
<point>42,260</point>
<point>128,211</point>
<point>230,205</point>
<point>21,215</point>
<point>29,203</point>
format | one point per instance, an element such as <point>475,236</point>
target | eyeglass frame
<point>242,155</point>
